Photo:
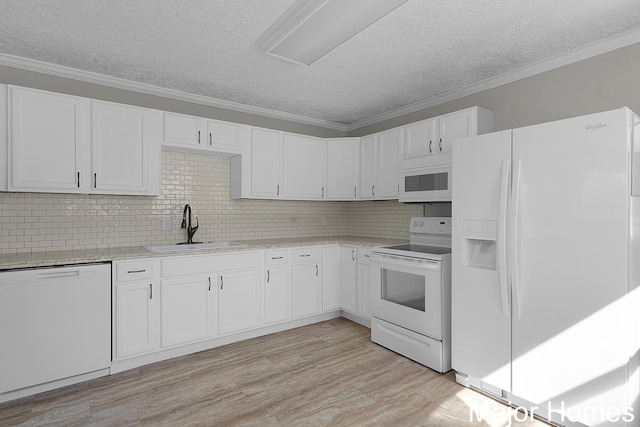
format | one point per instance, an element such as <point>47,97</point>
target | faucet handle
<point>193,230</point>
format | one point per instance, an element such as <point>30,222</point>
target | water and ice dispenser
<point>479,248</point>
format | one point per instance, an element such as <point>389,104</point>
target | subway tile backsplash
<point>36,222</point>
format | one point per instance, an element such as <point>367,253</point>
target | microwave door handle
<point>502,238</point>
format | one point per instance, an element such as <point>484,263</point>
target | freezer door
<point>570,233</point>
<point>481,324</point>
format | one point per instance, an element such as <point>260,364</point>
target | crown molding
<point>579,54</point>
<point>118,83</point>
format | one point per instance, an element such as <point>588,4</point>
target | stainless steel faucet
<point>190,230</point>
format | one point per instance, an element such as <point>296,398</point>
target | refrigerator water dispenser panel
<point>480,243</point>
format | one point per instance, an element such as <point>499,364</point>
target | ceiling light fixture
<point>312,28</point>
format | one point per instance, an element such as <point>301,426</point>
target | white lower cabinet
<point>187,310</point>
<point>364,283</point>
<point>277,286</point>
<point>306,282</point>
<point>136,307</point>
<point>348,278</point>
<point>239,301</point>
<point>137,326</point>
<point>331,298</point>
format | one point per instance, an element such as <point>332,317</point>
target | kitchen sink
<point>195,245</point>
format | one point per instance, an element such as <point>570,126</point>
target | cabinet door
<point>304,167</point>
<point>222,136</point>
<point>306,290</point>
<point>388,157</point>
<point>238,301</point>
<point>266,163</point>
<point>137,322</point>
<point>348,273</point>
<point>331,278</point>
<point>183,130</point>
<point>47,134</point>
<point>277,295</point>
<point>418,140</point>
<point>343,168</point>
<point>120,145</point>
<point>454,126</point>
<point>368,168</point>
<point>364,289</point>
<point>186,310</point>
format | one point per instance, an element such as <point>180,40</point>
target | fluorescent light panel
<point>312,28</point>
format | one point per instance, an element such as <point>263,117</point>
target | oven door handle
<point>400,262</point>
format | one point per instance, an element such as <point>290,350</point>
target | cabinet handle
<point>268,276</point>
<point>210,140</point>
<point>430,151</point>
<point>198,137</point>
<point>135,271</point>
<point>354,191</point>
<point>373,190</point>
<point>440,144</point>
<point>353,254</point>
<point>316,269</point>
<point>367,256</point>
<point>276,257</point>
<point>95,180</point>
<point>304,255</point>
<point>278,190</point>
<point>221,282</point>
<point>322,191</point>
<point>209,282</point>
<point>150,290</point>
<point>78,179</point>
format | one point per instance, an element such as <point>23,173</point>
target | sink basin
<point>190,246</point>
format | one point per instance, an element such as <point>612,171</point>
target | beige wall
<point>600,83</point>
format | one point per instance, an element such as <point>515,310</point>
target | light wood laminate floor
<point>324,374</point>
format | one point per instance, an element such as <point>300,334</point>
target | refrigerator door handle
<point>502,237</point>
<point>514,217</point>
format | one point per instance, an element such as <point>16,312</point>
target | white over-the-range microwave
<point>426,184</point>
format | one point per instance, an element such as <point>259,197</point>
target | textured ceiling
<point>423,49</point>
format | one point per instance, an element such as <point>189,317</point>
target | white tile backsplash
<point>35,222</point>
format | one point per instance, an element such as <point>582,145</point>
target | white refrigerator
<point>545,259</point>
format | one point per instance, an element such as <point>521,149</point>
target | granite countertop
<point>57,258</point>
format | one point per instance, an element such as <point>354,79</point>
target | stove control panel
<point>430,225</point>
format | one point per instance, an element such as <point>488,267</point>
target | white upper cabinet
<point>120,141</point>
<point>343,168</point>
<point>67,144</point>
<point>48,133</point>
<point>429,142</point>
<point>266,164</point>
<point>379,155</point>
<point>304,167</point>
<point>182,132</point>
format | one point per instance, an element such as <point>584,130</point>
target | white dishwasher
<point>55,323</point>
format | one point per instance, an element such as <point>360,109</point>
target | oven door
<point>408,292</point>
<point>429,184</point>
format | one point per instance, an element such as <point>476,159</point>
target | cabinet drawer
<point>132,271</point>
<point>276,257</point>
<point>364,255</point>
<point>305,255</point>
